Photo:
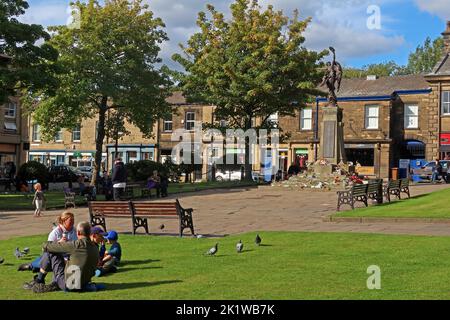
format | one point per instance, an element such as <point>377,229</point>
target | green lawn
<point>287,266</point>
<point>55,199</point>
<point>433,205</point>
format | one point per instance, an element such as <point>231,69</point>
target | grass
<point>286,266</point>
<point>433,205</point>
<point>55,199</point>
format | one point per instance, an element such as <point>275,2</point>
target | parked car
<point>234,175</point>
<point>65,173</point>
<point>426,171</point>
<point>87,171</point>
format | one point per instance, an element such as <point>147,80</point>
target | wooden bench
<point>404,186</point>
<point>375,190</point>
<point>139,212</point>
<point>162,210</point>
<point>392,188</point>
<point>357,193</point>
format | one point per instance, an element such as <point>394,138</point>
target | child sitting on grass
<point>111,258</point>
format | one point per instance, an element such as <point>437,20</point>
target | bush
<point>142,170</point>
<point>34,170</point>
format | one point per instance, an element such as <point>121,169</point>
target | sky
<point>362,31</point>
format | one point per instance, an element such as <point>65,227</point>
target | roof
<point>384,86</point>
<point>442,68</point>
<point>176,98</point>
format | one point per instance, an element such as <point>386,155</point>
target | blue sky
<point>342,23</point>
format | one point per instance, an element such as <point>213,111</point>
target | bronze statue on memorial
<point>332,79</point>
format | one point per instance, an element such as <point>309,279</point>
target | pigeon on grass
<point>258,240</point>
<point>239,246</point>
<point>213,250</point>
<point>18,254</point>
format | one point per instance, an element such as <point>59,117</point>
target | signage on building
<point>445,139</point>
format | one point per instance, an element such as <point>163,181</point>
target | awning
<point>10,126</point>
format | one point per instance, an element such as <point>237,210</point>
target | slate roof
<point>384,86</point>
<point>443,67</point>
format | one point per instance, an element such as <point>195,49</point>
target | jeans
<point>435,176</point>
<point>118,192</point>
<point>36,264</point>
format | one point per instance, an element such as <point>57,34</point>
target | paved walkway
<point>223,212</point>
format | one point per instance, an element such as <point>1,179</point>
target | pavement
<point>234,211</point>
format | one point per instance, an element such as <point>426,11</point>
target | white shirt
<point>57,234</point>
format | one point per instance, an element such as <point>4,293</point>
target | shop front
<point>363,157</point>
<point>7,155</point>
<point>130,153</point>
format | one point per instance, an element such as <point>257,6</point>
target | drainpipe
<point>316,128</point>
<point>439,119</point>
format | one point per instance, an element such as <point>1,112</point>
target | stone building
<point>385,119</point>
<point>13,131</point>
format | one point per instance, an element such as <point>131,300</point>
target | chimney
<point>446,36</point>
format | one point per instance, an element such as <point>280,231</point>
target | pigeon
<point>199,236</point>
<point>162,227</point>
<point>239,246</point>
<point>213,250</point>
<point>258,240</point>
<point>18,254</point>
<point>26,250</point>
<point>2,260</point>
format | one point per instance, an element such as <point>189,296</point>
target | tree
<point>251,66</point>
<point>384,69</point>
<point>31,65</point>
<point>425,58</point>
<point>107,63</point>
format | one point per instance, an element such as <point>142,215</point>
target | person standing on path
<point>119,179</point>
<point>38,200</point>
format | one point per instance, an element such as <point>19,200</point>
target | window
<point>76,134</point>
<point>147,155</point>
<point>10,110</point>
<point>411,117</point>
<point>36,133</point>
<point>371,117</point>
<point>446,102</point>
<point>168,125</point>
<point>58,136</point>
<point>223,123</point>
<point>306,119</point>
<point>190,120</point>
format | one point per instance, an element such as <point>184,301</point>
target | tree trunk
<point>99,141</point>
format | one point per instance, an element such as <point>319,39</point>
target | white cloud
<point>441,8</point>
<point>341,23</point>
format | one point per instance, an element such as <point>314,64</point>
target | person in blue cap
<point>111,258</point>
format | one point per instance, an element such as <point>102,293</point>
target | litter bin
<point>394,173</point>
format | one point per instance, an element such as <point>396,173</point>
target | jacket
<point>83,255</point>
<point>119,173</point>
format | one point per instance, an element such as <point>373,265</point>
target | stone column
<point>332,146</point>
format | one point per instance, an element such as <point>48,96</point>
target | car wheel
<point>219,179</point>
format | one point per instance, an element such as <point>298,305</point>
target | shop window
<point>366,157</point>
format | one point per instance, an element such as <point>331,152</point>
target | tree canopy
<point>109,62</point>
<point>250,66</point>
<point>31,65</point>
